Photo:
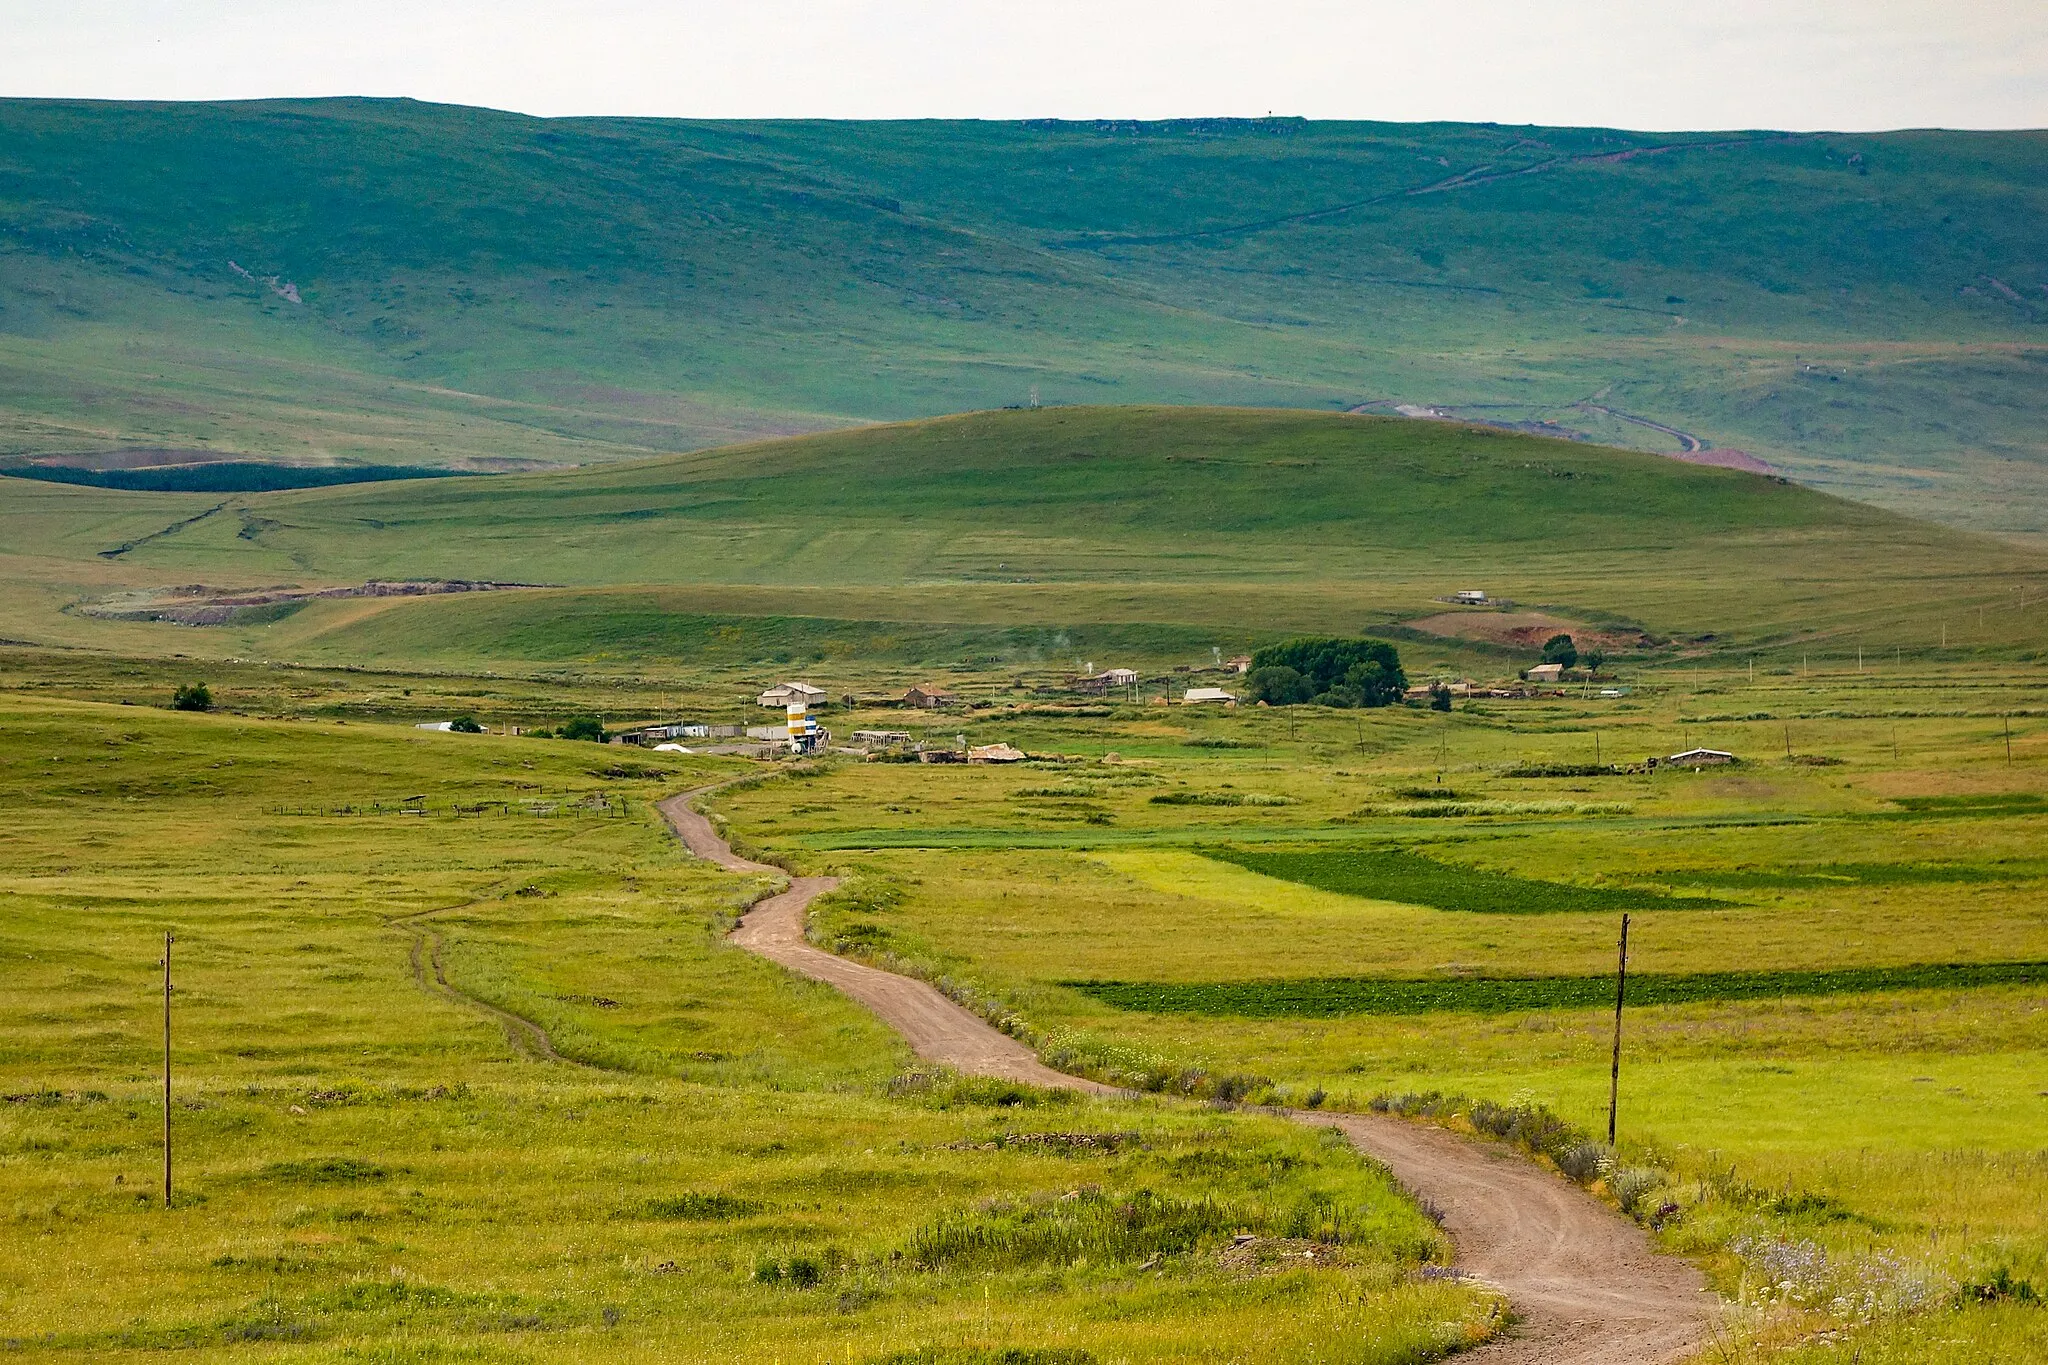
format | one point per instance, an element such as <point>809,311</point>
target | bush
<point>1334,672</point>
<point>1632,1186</point>
<point>1559,649</point>
<point>1439,697</point>
<point>192,697</point>
<point>465,725</point>
<point>583,727</point>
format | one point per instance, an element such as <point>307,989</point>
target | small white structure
<point>442,725</point>
<point>1197,696</point>
<point>782,694</point>
<point>670,749</point>
<point>1470,597</point>
<point>1546,673</point>
<point>1701,758</point>
<point>804,734</point>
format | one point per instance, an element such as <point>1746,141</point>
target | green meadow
<point>681,1154</point>
<point>390,282</point>
<point>466,1069</point>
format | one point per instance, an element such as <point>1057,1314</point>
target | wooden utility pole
<point>1788,741</point>
<point>2008,740</point>
<point>168,940</point>
<point>1620,991</point>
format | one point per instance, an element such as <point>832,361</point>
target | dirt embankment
<point>1585,1283</point>
<point>1529,629</point>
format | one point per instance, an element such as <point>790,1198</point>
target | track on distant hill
<point>1584,1282</point>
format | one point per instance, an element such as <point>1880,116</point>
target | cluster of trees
<point>583,727</point>
<point>1328,672</point>
<point>192,697</point>
<point>1562,649</point>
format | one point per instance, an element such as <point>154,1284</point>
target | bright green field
<point>728,1164</point>
<point>387,281</point>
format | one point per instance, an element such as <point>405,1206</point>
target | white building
<point>1196,696</point>
<point>1546,673</point>
<point>782,694</point>
<point>1471,597</point>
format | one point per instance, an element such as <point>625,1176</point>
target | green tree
<point>1439,697</point>
<point>583,727</point>
<point>1339,672</point>
<point>1559,649</point>
<point>192,697</point>
<point>1276,685</point>
<point>465,725</point>
<point>1593,659</point>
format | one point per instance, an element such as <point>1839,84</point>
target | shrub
<point>465,725</point>
<point>701,1208</point>
<point>192,697</point>
<point>1632,1186</point>
<point>584,728</point>
<point>1104,1229</point>
<point>1583,1161</point>
<point>1559,649</point>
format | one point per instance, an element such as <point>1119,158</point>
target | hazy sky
<point>1843,64</point>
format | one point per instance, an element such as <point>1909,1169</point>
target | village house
<point>1241,663</point>
<point>994,753</point>
<point>1197,696</point>
<point>782,694</point>
<point>929,696</point>
<point>1543,673</point>
<point>1109,680</point>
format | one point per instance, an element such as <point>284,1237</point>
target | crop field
<point>681,1154</point>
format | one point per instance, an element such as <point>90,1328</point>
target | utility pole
<point>1788,741</point>
<point>168,940</point>
<point>2008,740</point>
<point>1620,990</point>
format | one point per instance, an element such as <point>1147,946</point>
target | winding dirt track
<point>1586,1286</point>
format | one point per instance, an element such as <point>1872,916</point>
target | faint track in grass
<point>1584,1281</point>
<point>527,1038</point>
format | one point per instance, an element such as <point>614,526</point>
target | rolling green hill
<point>393,282</point>
<point>1030,533</point>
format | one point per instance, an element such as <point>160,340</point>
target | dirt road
<point>1584,1281</point>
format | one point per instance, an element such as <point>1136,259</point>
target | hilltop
<point>1133,526</point>
<point>400,283</point>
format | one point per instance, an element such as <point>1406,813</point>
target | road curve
<point>1586,1286</point>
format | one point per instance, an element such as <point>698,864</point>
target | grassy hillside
<point>1030,535</point>
<point>396,282</point>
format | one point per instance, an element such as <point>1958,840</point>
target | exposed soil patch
<point>196,604</point>
<point>1529,629</point>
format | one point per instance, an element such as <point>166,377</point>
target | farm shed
<point>1197,696</point>
<point>929,696</point>
<point>995,753</point>
<point>782,694</point>
<point>1699,758</point>
<point>1545,673</point>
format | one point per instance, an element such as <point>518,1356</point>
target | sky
<point>1653,64</point>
